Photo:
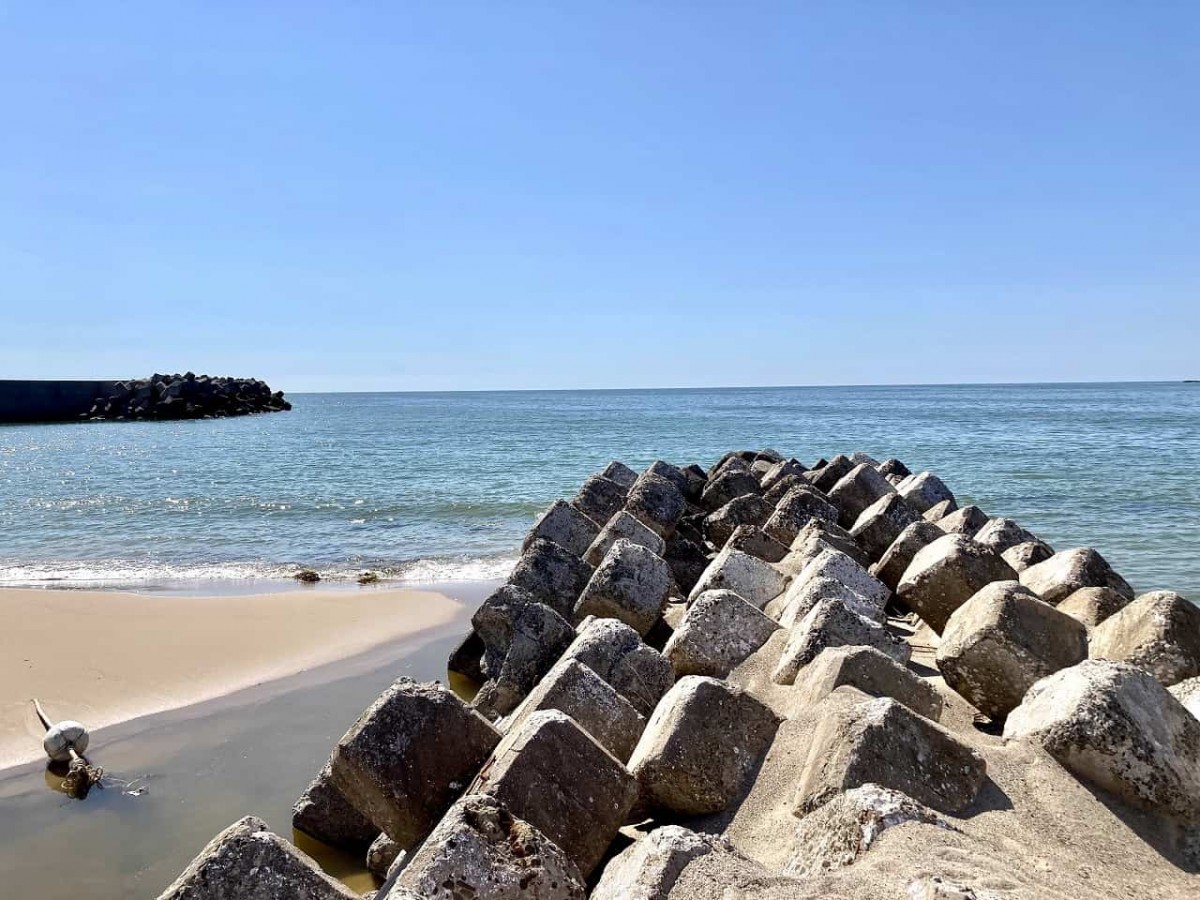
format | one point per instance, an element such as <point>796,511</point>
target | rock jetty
<point>767,680</point>
<point>187,396</point>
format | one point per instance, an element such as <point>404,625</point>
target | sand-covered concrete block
<point>840,831</point>
<point>649,868</point>
<point>1001,641</point>
<point>631,584</point>
<point>657,502</point>
<point>481,851</point>
<point>964,520</point>
<point>616,653</point>
<point>1158,632</point>
<point>247,861</point>
<point>1115,726</point>
<point>718,631</point>
<point>856,491</point>
<point>623,525</point>
<point>600,498</point>
<point>1069,570</point>
<point>831,624</point>
<point>1092,605</point>
<point>323,812</point>
<point>704,740</point>
<point>797,508</point>
<point>871,672</point>
<point>883,742</point>
<point>566,526</point>
<point>574,689</point>
<point>752,579</point>
<point>555,776</point>
<point>881,523</point>
<point>946,574</point>
<point>551,575</point>
<point>899,555</point>
<point>409,755</point>
<point>924,491</point>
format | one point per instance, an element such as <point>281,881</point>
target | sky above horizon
<point>422,196</point>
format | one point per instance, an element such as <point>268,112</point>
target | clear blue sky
<point>564,194</point>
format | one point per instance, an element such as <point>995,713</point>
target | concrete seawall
<point>48,401</point>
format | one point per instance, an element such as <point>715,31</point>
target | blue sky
<point>409,196</point>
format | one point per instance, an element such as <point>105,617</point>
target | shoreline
<point>111,657</point>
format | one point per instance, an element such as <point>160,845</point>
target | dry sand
<point>102,657</point>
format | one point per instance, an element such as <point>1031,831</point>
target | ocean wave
<point>149,575</point>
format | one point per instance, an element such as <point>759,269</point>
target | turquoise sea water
<point>443,486</point>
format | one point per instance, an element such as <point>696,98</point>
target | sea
<point>432,487</point>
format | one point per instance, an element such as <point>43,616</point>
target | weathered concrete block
<point>687,559</point>
<point>324,812</point>
<point>1000,534</point>
<point>899,555</point>
<point>864,459</point>
<point>893,466</point>
<point>837,566</point>
<point>857,490</point>
<point>620,473</point>
<point>575,690</point>
<point>728,484</point>
<point>966,520</point>
<point>752,579</point>
<point>871,672</point>
<point>1069,570</point>
<point>481,850</point>
<point>673,474</point>
<point>799,507</point>
<point>381,855</point>
<point>616,653</point>
<point>881,523</point>
<point>883,742</point>
<point>623,525</point>
<point>649,868</point>
<point>839,832</point>
<point>1158,632</point>
<point>718,631</point>
<point>924,490</point>
<point>825,477</point>
<point>1115,726</point>
<point>700,746</point>
<point>1188,693</point>
<point>939,510</point>
<point>820,535</point>
<point>657,502</point>
<point>799,600</point>
<point>749,509</point>
<point>466,658</point>
<point>566,526</point>
<point>1093,605</point>
<point>782,486</point>
<point>779,470</point>
<point>757,543</point>
<point>555,776</point>
<point>1026,554</point>
<point>599,498</point>
<point>247,861</point>
<point>551,575</point>
<point>946,574</point>
<point>408,756</point>
<point>631,584</point>
<point>831,624</point>
<point>1001,641</point>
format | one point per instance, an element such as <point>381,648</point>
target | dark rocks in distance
<point>187,396</point>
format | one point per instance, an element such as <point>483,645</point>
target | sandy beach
<point>106,657</point>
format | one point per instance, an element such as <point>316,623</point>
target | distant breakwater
<point>186,396</point>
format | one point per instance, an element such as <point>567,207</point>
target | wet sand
<point>107,657</point>
<point>204,766</point>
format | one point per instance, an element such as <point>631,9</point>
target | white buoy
<point>63,737</point>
